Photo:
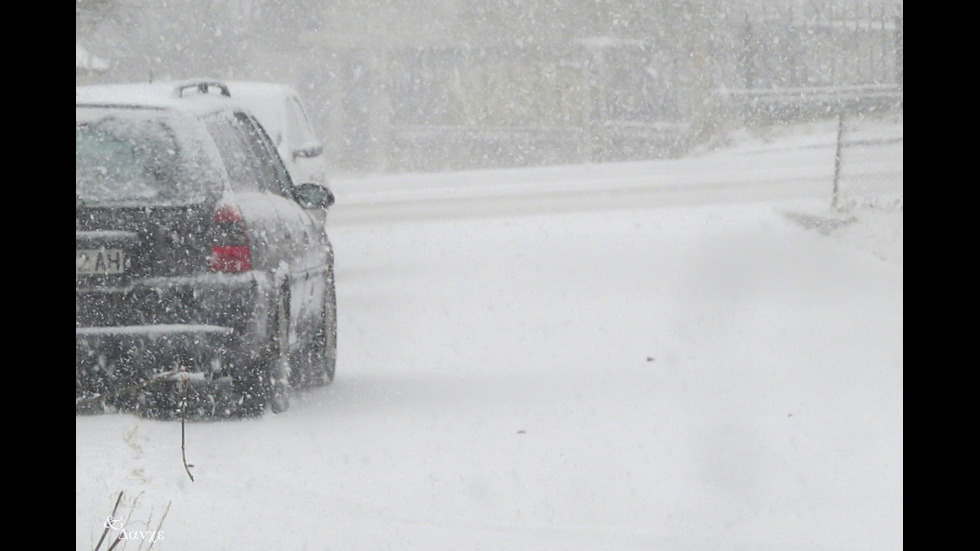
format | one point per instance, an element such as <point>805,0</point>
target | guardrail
<point>764,106</point>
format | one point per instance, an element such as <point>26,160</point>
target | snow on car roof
<point>164,95</point>
<point>259,88</point>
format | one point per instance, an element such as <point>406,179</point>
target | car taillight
<point>230,252</point>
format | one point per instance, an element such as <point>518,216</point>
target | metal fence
<point>607,99</point>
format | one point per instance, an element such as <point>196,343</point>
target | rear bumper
<point>112,358</point>
<point>212,324</point>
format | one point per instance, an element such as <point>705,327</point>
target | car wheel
<point>324,356</point>
<point>250,390</point>
<point>278,366</point>
<point>266,381</point>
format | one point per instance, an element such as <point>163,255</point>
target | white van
<point>280,111</point>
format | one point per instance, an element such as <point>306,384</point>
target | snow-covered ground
<point>694,354</point>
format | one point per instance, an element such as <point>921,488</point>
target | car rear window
<point>141,155</point>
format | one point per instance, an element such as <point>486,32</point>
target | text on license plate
<point>99,261</point>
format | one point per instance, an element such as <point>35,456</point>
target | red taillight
<point>231,259</point>
<point>230,252</point>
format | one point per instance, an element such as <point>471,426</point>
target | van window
<point>299,122</point>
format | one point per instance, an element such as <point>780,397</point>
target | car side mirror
<point>308,150</point>
<point>311,195</point>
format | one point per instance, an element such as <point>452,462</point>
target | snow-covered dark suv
<point>195,254</point>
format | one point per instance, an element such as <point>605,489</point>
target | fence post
<point>899,46</point>
<point>837,157</point>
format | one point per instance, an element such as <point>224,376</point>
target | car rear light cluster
<point>230,252</point>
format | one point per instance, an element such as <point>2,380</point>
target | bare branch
<point>156,535</point>
<point>119,538</point>
<point>183,422</point>
<point>108,520</point>
<point>106,531</point>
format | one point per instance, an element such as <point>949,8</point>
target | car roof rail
<point>203,86</point>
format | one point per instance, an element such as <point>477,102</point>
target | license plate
<point>99,261</point>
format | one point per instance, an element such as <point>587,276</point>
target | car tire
<point>250,390</point>
<point>324,356</point>
<point>266,381</point>
<point>278,366</point>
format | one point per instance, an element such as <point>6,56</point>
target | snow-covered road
<point>708,358</point>
<point>791,167</point>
